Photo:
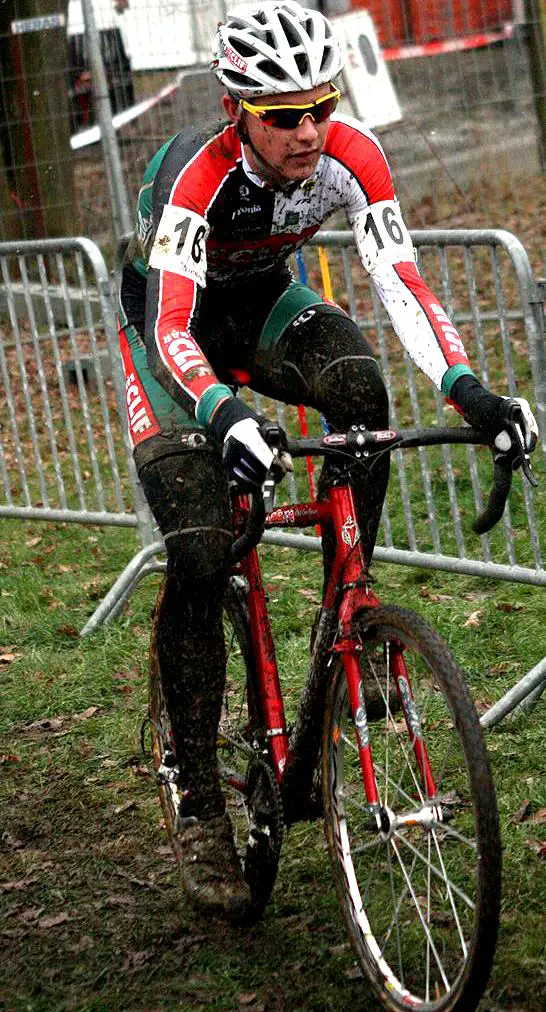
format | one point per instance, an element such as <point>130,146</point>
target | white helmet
<point>273,47</point>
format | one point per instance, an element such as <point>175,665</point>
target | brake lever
<point>522,457</point>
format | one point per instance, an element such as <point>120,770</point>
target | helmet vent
<point>234,79</point>
<point>325,59</point>
<point>271,69</point>
<point>301,62</point>
<point>242,48</point>
<point>288,28</point>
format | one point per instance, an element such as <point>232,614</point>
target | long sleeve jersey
<point>205,216</point>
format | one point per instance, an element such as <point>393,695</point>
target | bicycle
<point>386,744</point>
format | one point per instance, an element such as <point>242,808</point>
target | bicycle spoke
<point>439,874</point>
<point>421,918</point>
<point>449,892</point>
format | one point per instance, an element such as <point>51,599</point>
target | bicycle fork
<point>350,567</point>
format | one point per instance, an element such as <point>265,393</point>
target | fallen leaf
<point>539,816</point>
<point>353,972</point>
<point>523,812</point>
<point>134,960</point>
<point>85,942</point>
<point>474,620</point>
<point>539,847</point>
<point>337,950</point>
<point>9,758</point>
<point>68,630</point>
<point>247,998</point>
<point>32,542</point>
<point>125,807</point>
<point>46,724</point>
<point>53,921</point>
<point>506,606</point>
<point>31,914</point>
<point>481,707</point>
<point>8,658</point>
<point>119,901</point>
<point>85,714</point>
<point>22,883</point>
<point>310,594</point>
<point>141,771</point>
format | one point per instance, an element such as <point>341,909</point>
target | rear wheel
<point>251,793</point>
<point>419,877</point>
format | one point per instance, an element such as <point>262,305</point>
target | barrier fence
<point>64,452</point>
<point>482,136</point>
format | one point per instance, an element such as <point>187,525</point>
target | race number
<point>381,236</point>
<point>179,244</point>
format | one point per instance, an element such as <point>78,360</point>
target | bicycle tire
<point>421,904</point>
<point>248,784</point>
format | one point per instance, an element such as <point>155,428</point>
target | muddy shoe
<point>211,870</point>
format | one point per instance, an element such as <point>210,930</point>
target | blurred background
<point>465,129</point>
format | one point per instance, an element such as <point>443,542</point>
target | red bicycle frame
<point>348,592</point>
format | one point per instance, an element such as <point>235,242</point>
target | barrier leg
<point>121,589</point>
<point>526,689</point>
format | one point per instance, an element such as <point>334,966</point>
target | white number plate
<point>180,244</point>
<point>382,236</point>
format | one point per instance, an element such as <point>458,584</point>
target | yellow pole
<point>325,273</point>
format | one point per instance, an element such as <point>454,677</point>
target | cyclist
<point>206,290</point>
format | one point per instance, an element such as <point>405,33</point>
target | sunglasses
<point>288,117</point>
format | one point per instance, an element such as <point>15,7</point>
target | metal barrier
<point>484,281</point>
<point>64,455</point>
<point>499,312</point>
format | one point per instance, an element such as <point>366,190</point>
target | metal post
<point>195,36</point>
<point>535,17</point>
<point>112,162</point>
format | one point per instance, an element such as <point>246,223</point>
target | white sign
<point>367,80</point>
<point>40,24</point>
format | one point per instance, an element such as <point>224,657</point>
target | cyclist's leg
<point>185,484</point>
<point>320,358</point>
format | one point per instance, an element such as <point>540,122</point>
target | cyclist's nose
<point>307,129</point>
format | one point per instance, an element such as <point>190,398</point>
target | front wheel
<point>419,875</point>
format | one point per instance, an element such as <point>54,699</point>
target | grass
<point>92,917</point>
<point>92,914</point>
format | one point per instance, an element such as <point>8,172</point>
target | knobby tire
<point>410,938</point>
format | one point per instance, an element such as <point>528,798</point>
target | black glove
<point>495,415</point>
<point>246,455</point>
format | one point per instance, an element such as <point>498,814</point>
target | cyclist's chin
<point>298,167</point>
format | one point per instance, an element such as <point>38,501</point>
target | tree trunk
<point>36,190</point>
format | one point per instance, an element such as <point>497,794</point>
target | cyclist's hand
<point>507,421</point>
<point>246,455</point>
<point>518,415</point>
